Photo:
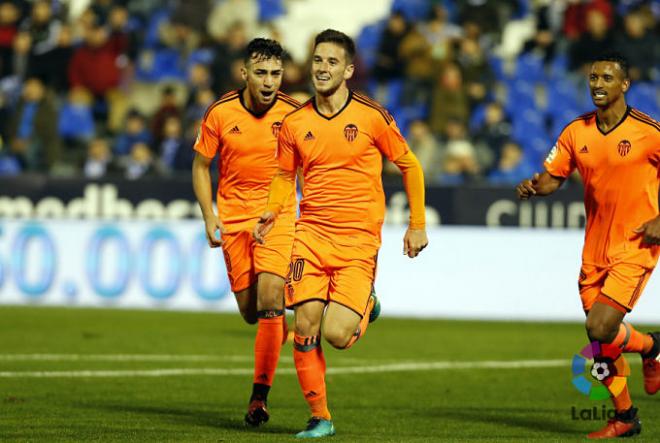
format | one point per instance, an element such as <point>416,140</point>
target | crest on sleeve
<point>624,147</point>
<point>275,128</point>
<point>551,156</point>
<point>350,132</point>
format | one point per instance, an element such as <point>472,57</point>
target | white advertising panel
<point>466,272</point>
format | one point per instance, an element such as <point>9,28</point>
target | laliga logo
<point>610,364</point>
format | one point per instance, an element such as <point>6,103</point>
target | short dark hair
<point>615,57</point>
<point>263,48</point>
<point>338,38</point>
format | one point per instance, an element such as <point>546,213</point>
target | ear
<point>625,85</point>
<point>348,71</point>
<point>244,73</point>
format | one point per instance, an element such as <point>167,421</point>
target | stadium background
<point>99,104</point>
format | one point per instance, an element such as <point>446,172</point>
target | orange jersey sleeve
<point>560,162</point>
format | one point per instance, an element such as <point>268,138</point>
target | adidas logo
<point>584,150</point>
<point>235,130</point>
<point>309,136</point>
<point>263,377</point>
<point>311,394</point>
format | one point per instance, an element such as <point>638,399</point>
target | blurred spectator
<point>576,16</point>
<point>388,65</point>
<point>512,166</point>
<point>415,51</point>
<point>76,122</point>
<point>227,13</point>
<point>228,59</point>
<point>639,45</point>
<point>495,130</point>
<point>175,152</point>
<point>294,77</point>
<point>9,18</point>
<point>459,163</point>
<point>33,129</point>
<point>199,78</point>
<point>99,161</point>
<point>543,42</point>
<point>140,162</point>
<point>425,146</point>
<point>450,99</point>
<point>136,131</point>
<point>95,66</point>
<point>196,110</point>
<point>477,75</point>
<point>44,31</point>
<point>596,40</point>
<point>169,107</point>
<point>440,33</point>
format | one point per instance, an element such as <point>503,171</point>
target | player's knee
<point>305,326</point>
<point>249,316</point>
<point>337,337</point>
<point>601,331</point>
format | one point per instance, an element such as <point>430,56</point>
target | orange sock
<point>631,340</point>
<point>622,402</point>
<point>267,346</point>
<point>310,366</point>
<point>362,327</point>
<point>618,386</point>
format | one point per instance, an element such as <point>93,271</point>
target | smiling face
<point>607,83</point>
<point>263,78</point>
<point>330,68</point>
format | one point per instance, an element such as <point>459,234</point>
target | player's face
<point>263,78</point>
<point>607,83</point>
<point>330,68</point>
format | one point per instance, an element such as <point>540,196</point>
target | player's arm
<point>281,189</point>
<point>202,186</point>
<point>415,239</point>
<point>540,184</point>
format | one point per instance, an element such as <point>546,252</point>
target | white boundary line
<point>395,367</point>
<point>123,357</point>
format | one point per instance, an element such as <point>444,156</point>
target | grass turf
<point>476,404</point>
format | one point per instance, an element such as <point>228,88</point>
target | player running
<point>242,129</point>
<point>338,138</point>
<point>616,150</point>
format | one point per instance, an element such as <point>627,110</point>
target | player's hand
<point>414,241</point>
<point>527,188</point>
<point>651,231</point>
<point>214,231</point>
<point>263,227</point>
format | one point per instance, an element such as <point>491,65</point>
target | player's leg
<point>271,261</point>
<point>353,303</point>
<point>267,344</point>
<point>238,261</point>
<point>311,368</point>
<point>620,291</point>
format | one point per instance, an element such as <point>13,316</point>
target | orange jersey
<point>247,146</point>
<point>620,174</point>
<point>341,161</point>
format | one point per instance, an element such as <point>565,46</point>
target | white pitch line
<point>396,367</point>
<point>123,357</point>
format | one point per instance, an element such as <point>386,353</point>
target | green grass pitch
<point>119,375</point>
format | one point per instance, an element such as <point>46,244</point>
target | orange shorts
<point>331,271</point>
<point>622,283</point>
<point>245,258</point>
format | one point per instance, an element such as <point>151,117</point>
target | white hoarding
<point>505,273</point>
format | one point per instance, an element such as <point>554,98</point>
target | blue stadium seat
<point>561,94</point>
<point>478,116</point>
<point>368,41</point>
<point>151,37</point>
<point>559,66</point>
<point>561,119</point>
<point>497,66</point>
<point>270,9</point>
<point>413,10</point>
<point>527,124</point>
<point>520,95</point>
<point>164,64</point>
<point>529,68</point>
<point>536,149</point>
<point>644,96</point>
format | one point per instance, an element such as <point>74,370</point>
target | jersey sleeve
<point>389,140</point>
<point>287,154</point>
<point>560,162</point>
<point>208,136</point>
<point>654,154</point>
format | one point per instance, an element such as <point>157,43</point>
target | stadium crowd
<point>481,88</point>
